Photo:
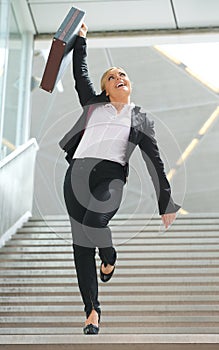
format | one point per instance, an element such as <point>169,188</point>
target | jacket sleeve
<point>83,84</point>
<point>155,166</point>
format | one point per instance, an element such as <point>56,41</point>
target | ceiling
<point>45,16</point>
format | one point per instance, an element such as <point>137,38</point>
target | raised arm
<point>83,84</point>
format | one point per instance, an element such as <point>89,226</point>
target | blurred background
<point>170,49</point>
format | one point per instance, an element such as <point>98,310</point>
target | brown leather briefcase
<point>62,44</point>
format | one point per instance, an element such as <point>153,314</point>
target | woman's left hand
<point>168,219</point>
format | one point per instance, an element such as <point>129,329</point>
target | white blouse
<point>106,134</point>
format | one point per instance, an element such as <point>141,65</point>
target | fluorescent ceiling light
<point>200,60</point>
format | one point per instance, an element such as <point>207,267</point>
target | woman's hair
<point>103,78</point>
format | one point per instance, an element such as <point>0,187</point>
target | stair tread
<point>165,308</point>
<point>72,332</point>
<point>128,228</point>
<point>170,288</point>
<point>123,255</point>
<point>125,264</point>
<point>117,279</point>
<point>121,249</point>
<point>40,272</point>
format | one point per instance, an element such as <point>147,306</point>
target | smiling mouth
<point>120,85</point>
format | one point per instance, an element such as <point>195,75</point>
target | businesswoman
<point>98,148</point>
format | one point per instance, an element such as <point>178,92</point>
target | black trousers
<point>93,193</point>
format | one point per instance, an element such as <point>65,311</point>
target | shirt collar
<point>126,108</point>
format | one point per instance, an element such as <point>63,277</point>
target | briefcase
<point>60,51</point>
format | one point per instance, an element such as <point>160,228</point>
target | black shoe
<point>91,329</point>
<point>105,277</point>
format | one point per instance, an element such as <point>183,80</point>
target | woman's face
<point>117,83</point>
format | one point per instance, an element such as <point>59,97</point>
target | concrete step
<point>142,277</point>
<point>184,298</point>
<point>54,309</point>
<point>172,288</point>
<point>119,341</point>
<point>142,271</point>
<point>62,256</point>
<point>125,264</point>
<point>125,248</point>
<point>76,329</point>
<point>141,235</point>
<point>133,222</point>
<point>135,229</point>
<point>34,242</point>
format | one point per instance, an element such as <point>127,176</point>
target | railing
<point>7,148</point>
<point>16,188</point>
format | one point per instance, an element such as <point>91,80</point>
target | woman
<point>98,149</point>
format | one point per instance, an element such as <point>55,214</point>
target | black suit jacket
<point>141,132</point>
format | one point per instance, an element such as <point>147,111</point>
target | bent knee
<point>96,220</point>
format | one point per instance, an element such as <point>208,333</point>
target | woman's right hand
<point>83,30</point>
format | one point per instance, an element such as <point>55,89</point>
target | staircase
<point>164,293</point>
